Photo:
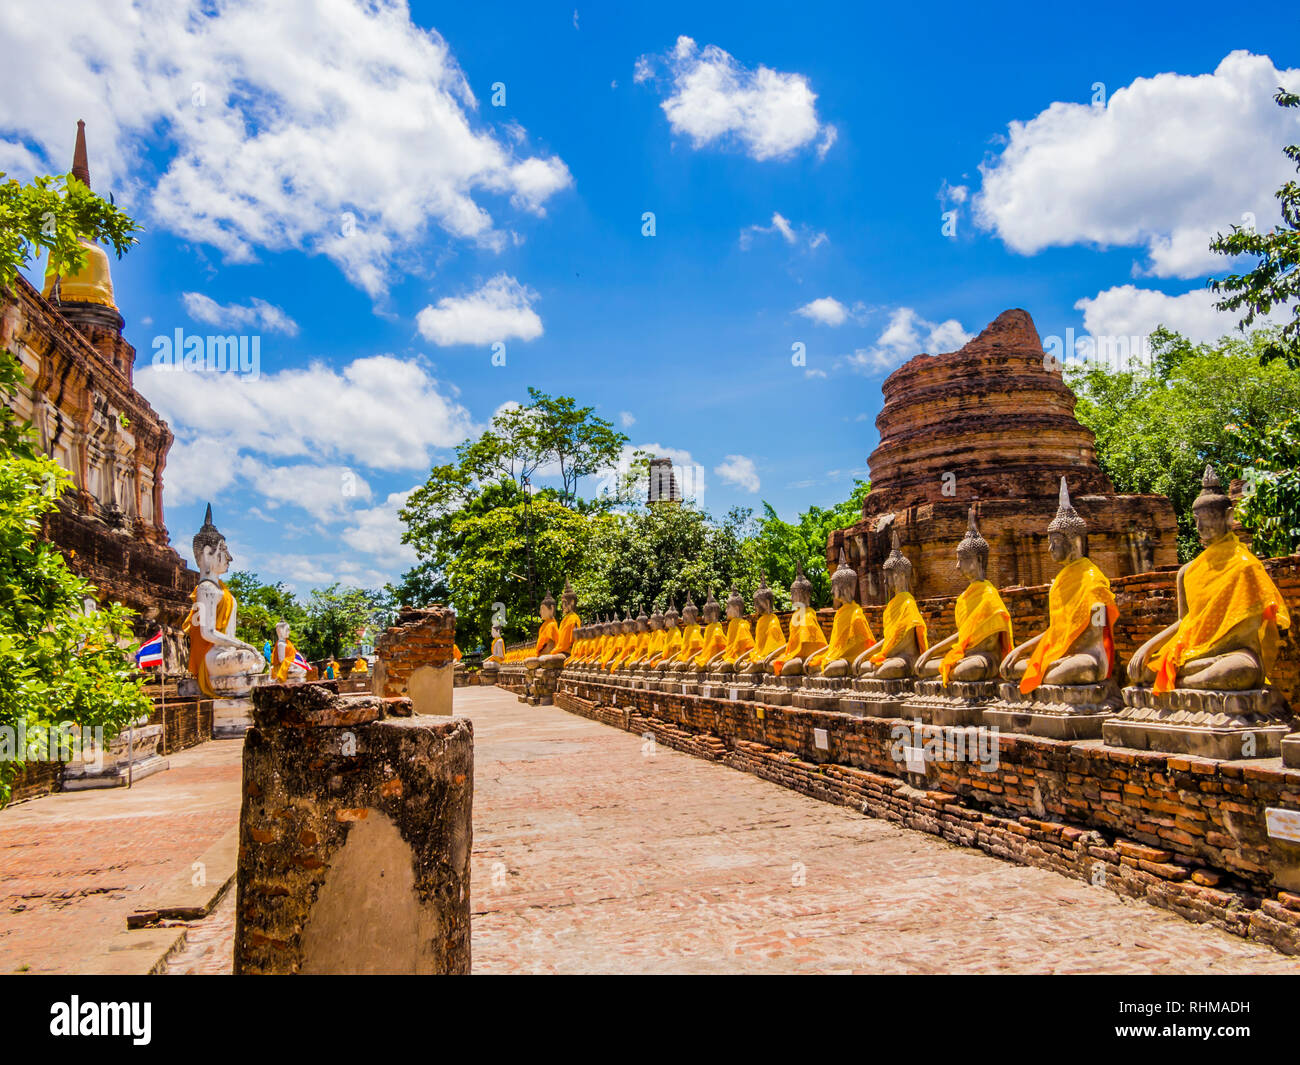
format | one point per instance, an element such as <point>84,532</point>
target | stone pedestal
<point>488,674</point>
<point>820,693</point>
<point>959,703</point>
<point>231,718</point>
<point>1056,711</point>
<point>131,755</point>
<point>876,698</point>
<point>540,685</point>
<point>355,837</point>
<point>1223,725</point>
<point>1291,751</point>
<point>778,691</point>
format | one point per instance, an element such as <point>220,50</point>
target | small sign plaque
<point>821,739</point>
<point>915,759</point>
<point>1283,824</point>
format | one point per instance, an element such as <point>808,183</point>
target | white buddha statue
<point>223,664</point>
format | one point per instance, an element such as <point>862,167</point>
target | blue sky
<point>336,180</point>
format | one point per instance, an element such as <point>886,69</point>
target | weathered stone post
<point>354,836</point>
<point>415,659</point>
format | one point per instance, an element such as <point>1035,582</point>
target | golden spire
<point>93,283</point>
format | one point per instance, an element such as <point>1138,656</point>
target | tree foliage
<point>1269,461</point>
<point>782,545</point>
<point>1158,424</point>
<point>1275,279</point>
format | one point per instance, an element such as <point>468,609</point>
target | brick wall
<point>421,638</point>
<point>1185,833</point>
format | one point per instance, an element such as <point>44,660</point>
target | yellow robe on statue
<point>499,649</point>
<point>455,654</point>
<point>199,647</point>
<point>739,640</point>
<point>806,637</point>
<point>655,648</point>
<point>901,616</point>
<point>979,613</point>
<point>1077,589</point>
<point>629,650</point>
<point>1224,585</point>
<point>565,642</point>
<point>712,641</point>
<point>672,645</point>
<point>549,632</point>
<point>692,641</point>
<point>768,636</point>
<point>360,666</point>
<point>850,636</point>
<point>280,666</point>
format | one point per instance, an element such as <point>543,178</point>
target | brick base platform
<point>1186,834</point>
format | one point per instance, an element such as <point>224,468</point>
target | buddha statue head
<point>568,597</point>
<point>897,567</point>
<point>763,603</point>
<point>547,607</point>
<point>712,609</point>
<point>1067,534</point>
<point>973,551</point>
<point>211,554</point>
<point>1212,509</point>
<point>800,588</point>
<point>656,619</point>
<point>690,612</point>
<point>671,616</point>
<point>844,581</point>
<point>642,622</point>
<point>629,622</point>
<point>281,630</point>
<point>735,604</point>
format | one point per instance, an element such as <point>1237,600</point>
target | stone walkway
<point>74,864</point>
<point>595,853</point>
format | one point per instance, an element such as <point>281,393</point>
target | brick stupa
<point>990,424</point>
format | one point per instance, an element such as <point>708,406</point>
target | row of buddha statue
<point>1196,686</point>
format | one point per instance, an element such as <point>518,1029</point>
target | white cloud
<point>258,314</point>
<point>907,334</point>
<point>1168,162</point>
<point>1129,311</point>
<point>327,493</point>
<point>740,471</point>
<point>714,99</point>
<point>501,310</point>
<point>825,311</point>
<point>379,413</point>
<point>336,127</point>
<point>626,419</point>
<point>377,532</point>
<point>782,226</point>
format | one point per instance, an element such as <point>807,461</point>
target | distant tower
<point>663,483</point>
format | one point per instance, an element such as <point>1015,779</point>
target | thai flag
<point>301,662</point>
<point>150,653</point>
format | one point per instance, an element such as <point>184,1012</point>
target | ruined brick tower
<point>990,424</point>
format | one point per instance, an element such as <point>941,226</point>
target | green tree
<point>58,662</point>
<point>1269,463</point>
<point>262,606</point>
<point>1275,279</point>
<point>1158,425</point>
<point>782,545</point>
<point>334,617</point>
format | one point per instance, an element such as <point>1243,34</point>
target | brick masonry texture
<point>421,637</point>
<point>1184,833</point>
<point>316,765</point>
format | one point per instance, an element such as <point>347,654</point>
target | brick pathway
<point>594,855</point>
<point>74,864</point>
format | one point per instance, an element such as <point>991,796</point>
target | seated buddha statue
<point>1229,612</point>
<point>692,640</point>
<point>548,633</point>
<point>713,640</point>
<point>614,644</point>
<point>768,639</point>
<point>284,657</point>
<point>641,642</point>
<point>850,633</point>
<point>739,639</point>
<point>654,645</point>
<point>498,654</point>
<point>563,644</point>
<point>604,641</point>
<point>806,637</point>
<point>1078,647</point>
<point>983,638</point>
<point>672,644</point>
<point>222,664</point>
<point>626,642</point>
<point>894,655</point>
